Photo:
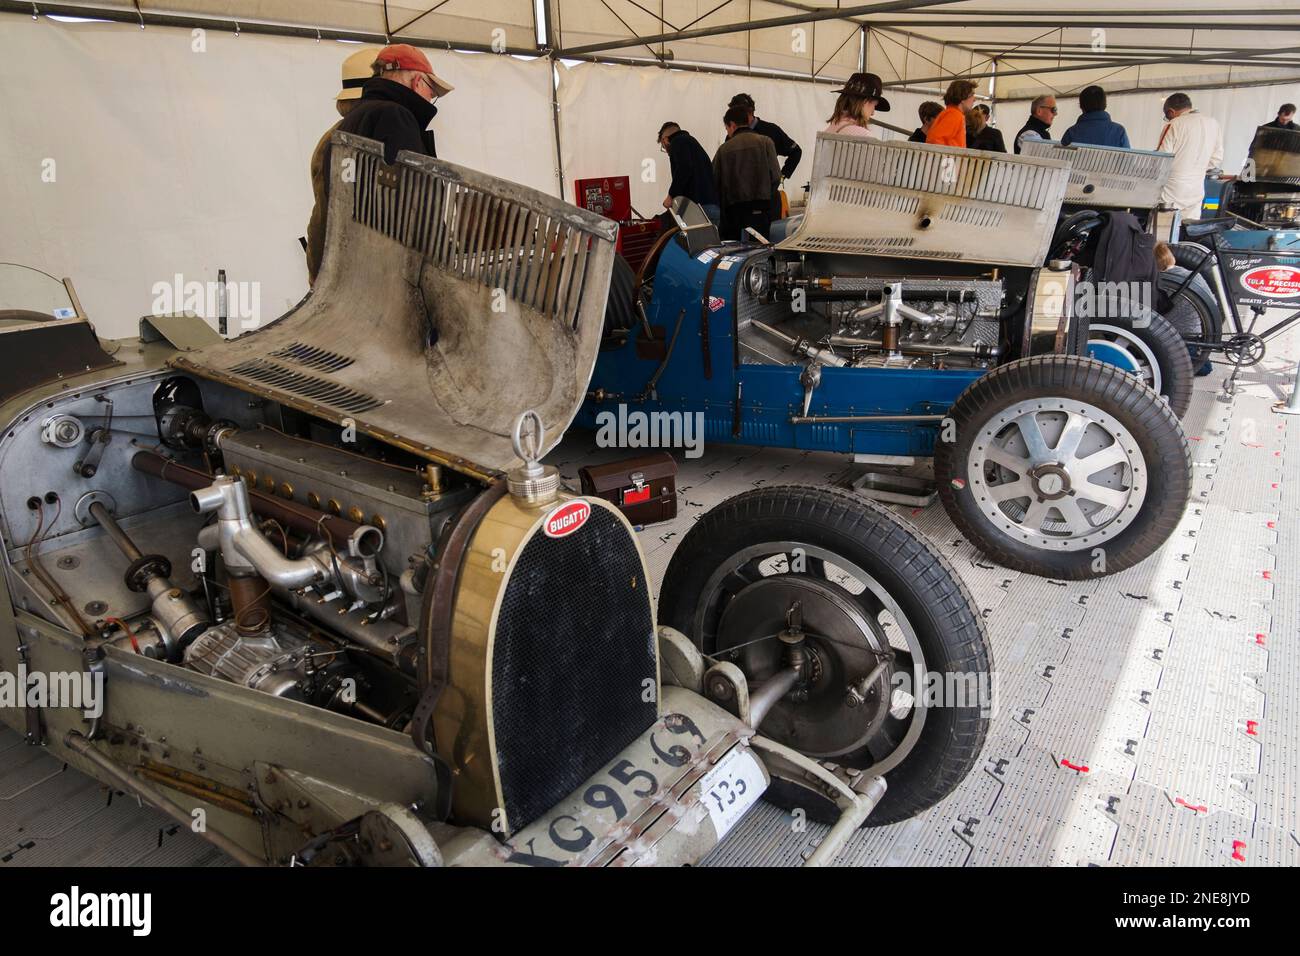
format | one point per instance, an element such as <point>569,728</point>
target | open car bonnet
<point>917,201</point>
<point>448,302</point>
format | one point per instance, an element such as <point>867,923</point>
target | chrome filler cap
<point>532,481</point>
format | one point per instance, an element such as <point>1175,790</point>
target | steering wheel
<point>1073,234</point>
<point>646,273</point>
<point>24,315</point>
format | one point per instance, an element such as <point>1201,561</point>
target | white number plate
<point>732,787</point>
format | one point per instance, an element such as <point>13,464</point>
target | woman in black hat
<point>858,101</point>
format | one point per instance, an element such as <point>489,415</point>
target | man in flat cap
<point>397,102</point>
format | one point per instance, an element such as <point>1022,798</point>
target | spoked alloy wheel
<point>833,584</point>
<point>1058,473</point>
<point>1063,466</point>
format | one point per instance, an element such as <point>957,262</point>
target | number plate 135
<point>732,787</point>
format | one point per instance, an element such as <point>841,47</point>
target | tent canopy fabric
<point>1031,47</point>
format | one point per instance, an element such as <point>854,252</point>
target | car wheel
<point>1151,349</point>
<point>1062,466</point>
<point>879,612</point>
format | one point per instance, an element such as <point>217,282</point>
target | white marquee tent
<point>145,141</point>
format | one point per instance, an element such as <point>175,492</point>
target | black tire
<point>1159,349</point>
<point>863,535</point>
<point>1055,385</point>
<point>1194,311</point>
<point>1194,257</point>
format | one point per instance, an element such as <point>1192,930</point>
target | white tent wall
<point>138,159</point>
<point>168,161</point>
<point>609,116</point>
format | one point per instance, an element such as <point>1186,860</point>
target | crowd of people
<point>389,95</point>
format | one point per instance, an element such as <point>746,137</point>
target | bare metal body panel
<point>915,201</point>
<point>448,303</point>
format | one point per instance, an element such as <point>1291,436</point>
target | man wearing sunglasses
<point>397,102</point>
<point>1042,111</point>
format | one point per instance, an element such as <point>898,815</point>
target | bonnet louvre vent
<point>306,386</point>
<point>535,258</point>
<point>309,356</point>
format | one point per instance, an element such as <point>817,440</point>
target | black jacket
<point>1037,126</point>
<point>1125,254</point>
<point>692,170</point>
<point>1275,124</point>
<point>918,136</point>
<point>988,139</point>
<point>785,146</point>
<point>394,115</point>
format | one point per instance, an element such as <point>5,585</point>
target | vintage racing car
<point>338,611</point>
<point>909,314</point>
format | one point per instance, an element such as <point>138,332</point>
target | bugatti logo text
<point>567,519</point>
<point>37,689</point>
<point>73,909</point>
<point>651,430</point>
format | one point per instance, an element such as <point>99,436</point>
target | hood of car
<point>448,303</point>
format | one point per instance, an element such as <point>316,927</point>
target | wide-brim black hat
<point>868,86</point>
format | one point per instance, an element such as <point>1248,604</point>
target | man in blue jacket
<point>1095,127</point>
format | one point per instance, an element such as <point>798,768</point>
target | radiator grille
<point>574,645</point>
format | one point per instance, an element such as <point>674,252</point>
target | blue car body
<point>753,403</point>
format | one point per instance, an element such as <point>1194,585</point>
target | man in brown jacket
<point>356,70</point>
<point>747,174</point>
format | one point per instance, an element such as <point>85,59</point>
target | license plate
<point>731,787</point>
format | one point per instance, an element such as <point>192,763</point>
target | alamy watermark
<point>637,429</point>
<point>79,690</point>
<point>242,300</point>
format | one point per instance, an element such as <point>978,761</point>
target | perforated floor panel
<point>1150,718</point>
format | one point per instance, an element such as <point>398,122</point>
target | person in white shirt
<point>860,99</point>
<point>1197,144</point>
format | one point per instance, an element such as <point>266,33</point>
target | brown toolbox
<point>643,488</point>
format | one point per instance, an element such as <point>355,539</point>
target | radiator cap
<point>532,481</point>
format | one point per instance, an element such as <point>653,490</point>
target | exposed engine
<point>264,551</point>
<point>845,320</point>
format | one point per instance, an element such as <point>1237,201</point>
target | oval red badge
<point>566,519</point>
<point>1273,282</point>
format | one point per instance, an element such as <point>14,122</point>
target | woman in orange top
<point>949,127</point>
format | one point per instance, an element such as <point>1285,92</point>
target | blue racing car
<point>908,313</point>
